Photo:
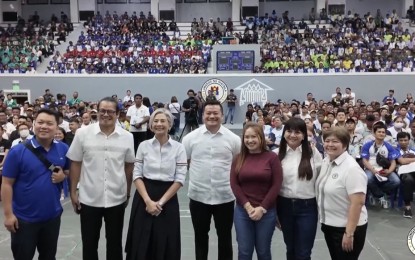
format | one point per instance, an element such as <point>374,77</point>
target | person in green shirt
<point>10,102</point>
<point>75,100</point>
<point>6,59</point>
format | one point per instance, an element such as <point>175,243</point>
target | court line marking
<point>376,249</point>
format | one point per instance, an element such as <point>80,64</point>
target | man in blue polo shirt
<point>31,191</point>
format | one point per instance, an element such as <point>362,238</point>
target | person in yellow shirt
<point>387,38</point>
<point>347,63</point>
<point>268,64</point>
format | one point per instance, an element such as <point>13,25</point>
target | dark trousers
<point>334,238</point>
<point>41,235</point>
<point>91,222</point>
<point>408,187</point>
<point>223,216</point>
<point>138,138</point>
<point>298,219</point>
<point>188,127</point>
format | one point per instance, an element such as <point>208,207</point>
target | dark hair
<point>146,102</point>
<point>326,122</point>
<point>213,103</point>
<point>112,100</point>
<point>19,125</point>
<point>14,108</point>
<point>370,117</point>
<point>49,112</point>
<point>191,90</point>
<point>64,134</point>
<point>403,135</point>
<point>340,110</point>
<point>74,120</point>
<point>138,95</point>
<point>173,99</point>
<point>379,125</point>
<point>240,159</point>
<point>24,117</point>
<point>304,168</point>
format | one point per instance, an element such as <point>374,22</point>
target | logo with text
<point>217,87</point>
<point>253,91</point>
<point>411,240</point>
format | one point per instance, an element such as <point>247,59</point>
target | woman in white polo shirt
<point>296,204</point>
<point>159,172</point>
<point>341,192</point>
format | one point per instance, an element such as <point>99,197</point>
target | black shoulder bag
<point>40,156</point>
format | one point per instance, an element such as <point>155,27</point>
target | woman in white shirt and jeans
<point>296,205</point>
<point>175,109</point>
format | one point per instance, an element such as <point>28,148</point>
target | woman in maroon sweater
<point>256,177</point>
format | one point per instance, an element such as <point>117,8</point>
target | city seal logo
<point>253,91</point>
<point>411,240</point>
<point>218,88</point>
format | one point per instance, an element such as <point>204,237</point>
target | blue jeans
<point>298,219</point>
<point>231,111</point>
<point>254,234</point>
<point>378,188</point>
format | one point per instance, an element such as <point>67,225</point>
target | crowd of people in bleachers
<point>133,44</point>
<point>136,43</point>
<point>24,45</point>
<point>337,43</point>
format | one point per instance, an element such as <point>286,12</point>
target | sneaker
<point>384,202</point>
<point>372,200</point>
<point>407,213</point>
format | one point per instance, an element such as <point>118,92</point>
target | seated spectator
<point>24,134</point>
<point>407,156</point>
<point>356,139</point>
<point>399,125</point>
<point>382,179</point>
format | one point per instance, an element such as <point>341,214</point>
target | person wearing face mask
<point>94,116</point>
<point>398,126</point>
<point>24,134</point>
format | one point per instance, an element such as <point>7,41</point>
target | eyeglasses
<point>105,111</point>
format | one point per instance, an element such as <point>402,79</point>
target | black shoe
<point>407,213</point>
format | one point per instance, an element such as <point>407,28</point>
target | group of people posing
<point>287,187</point>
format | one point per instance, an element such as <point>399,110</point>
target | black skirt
<point>150,237</point>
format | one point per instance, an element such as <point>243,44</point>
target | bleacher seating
<point>23,45</point>
<point>138,44</point>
